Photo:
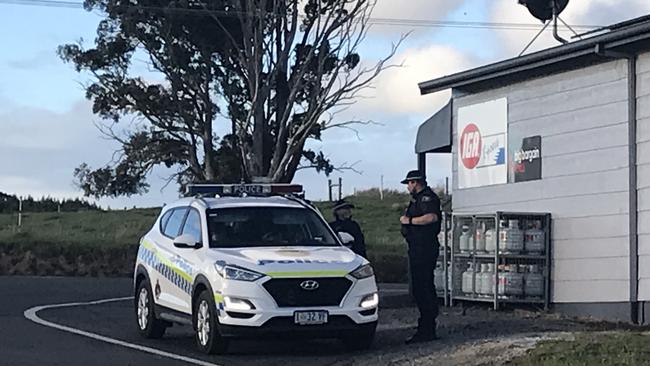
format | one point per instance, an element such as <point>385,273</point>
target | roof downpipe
<point>600,50</point>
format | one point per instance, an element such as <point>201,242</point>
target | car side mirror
<point>346,238</point>
<point>187,241</point>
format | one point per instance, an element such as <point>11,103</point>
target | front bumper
<point>284,327</point>
<point>268,317</point>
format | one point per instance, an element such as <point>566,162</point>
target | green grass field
<point>81,232</point>
<point>622,348</point>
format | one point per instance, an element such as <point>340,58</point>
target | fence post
<point>329,188</point>
<point>20,211</point>
<point>340,188</point>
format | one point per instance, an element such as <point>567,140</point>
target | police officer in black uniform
<point>420,228</point>
<point>343,222</point>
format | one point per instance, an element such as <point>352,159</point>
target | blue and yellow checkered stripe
<point>148,255</point>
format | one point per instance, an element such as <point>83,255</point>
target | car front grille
<point>287,292</point>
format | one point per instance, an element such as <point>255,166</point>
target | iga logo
<point>470,146</point>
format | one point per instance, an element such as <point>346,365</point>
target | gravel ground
<point>474,335</point>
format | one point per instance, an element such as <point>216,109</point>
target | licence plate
<point>310,317</point>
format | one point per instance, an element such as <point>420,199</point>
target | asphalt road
<point>23,342</point>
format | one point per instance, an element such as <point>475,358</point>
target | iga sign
<point>482,137</point>
<point>527,159</point>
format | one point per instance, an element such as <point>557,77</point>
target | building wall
<point>643,173</point>
<point>582,118</point>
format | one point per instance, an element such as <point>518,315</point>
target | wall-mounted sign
<point>482,144</point>
<point>527,159</point>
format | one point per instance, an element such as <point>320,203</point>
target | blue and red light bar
<point>242,189</point>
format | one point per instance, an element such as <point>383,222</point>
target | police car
<point>251,260</point>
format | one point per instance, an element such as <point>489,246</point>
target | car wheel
<point>359,339</point>
<point>206,323</point>
<point>148,325</point>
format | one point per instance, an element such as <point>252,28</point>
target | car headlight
<point>369,301</point>
<point>362,272</point>
<point>231,272</point>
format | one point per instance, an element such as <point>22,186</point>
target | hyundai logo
<point>309,285</point>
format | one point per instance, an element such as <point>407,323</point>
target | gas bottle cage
<point>501,257</point>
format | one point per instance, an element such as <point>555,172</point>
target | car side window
<point>173,226</point>
<point>164,219</point>
<point>193,225</point>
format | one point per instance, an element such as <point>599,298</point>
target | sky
<point>47,127</point>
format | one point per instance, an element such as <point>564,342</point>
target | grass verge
<point>68,243</point>
<point>611,348</point>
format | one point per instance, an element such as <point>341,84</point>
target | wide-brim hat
<point>341,204</point>
<point>413,175</point>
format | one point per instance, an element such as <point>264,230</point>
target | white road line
<point>31,314</point>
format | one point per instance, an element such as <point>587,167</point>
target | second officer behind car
<point>343,222</point>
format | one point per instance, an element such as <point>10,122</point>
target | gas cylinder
<point>465,238</point>
<point>511,238</point>
<point>534,238</point>
<point>488,280</point>
<point>533,282</point>
<point>468,279</point>
<point>490,240</point>
<point>480,279</point>
<point>455,278</point>
<point>511,282</point>
<point>479,239</point>
<point>439,276</point>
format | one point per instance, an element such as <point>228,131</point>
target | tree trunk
<point>208,145</point>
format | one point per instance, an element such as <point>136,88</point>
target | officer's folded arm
<point>424,219</point>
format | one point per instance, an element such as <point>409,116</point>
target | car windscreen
<point>267,226</point>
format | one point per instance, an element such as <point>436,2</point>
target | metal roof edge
<point>616,38</point>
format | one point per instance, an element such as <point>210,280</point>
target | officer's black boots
<point>423,336</point>
<point>420,337</point>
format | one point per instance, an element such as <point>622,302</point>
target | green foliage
<point>621,348</point>
<point>10,203</point>
<point>271,72</point>
<point>41,231</point>
<point>76,232</point>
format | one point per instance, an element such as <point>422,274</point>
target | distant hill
<point>9,204</point>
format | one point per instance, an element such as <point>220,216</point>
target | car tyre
<point>206,325</point>
<point>148,325</point>
<point>360,339</point>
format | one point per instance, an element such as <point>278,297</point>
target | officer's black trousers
<point>422,266</point>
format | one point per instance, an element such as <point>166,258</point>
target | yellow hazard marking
<point>150,246</point>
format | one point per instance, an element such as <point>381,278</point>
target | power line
<point>372,20</point>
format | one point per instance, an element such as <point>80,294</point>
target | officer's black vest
<point>423,234</point>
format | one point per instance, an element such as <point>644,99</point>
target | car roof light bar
<point>242,189</point>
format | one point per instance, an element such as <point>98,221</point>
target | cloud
<point>39,150</point>
<point>45,130</point>
<point>414,9</point>
<point>594,12</point>
<point>42,59</point>
<point>387,18</point>
<point>24,186</point>
<point>396,90</point>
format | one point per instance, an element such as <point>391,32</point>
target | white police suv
<point>251,260</point>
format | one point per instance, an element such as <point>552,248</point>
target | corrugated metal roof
<point>632,36</point>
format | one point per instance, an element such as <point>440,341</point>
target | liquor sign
<point>482,144</point>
